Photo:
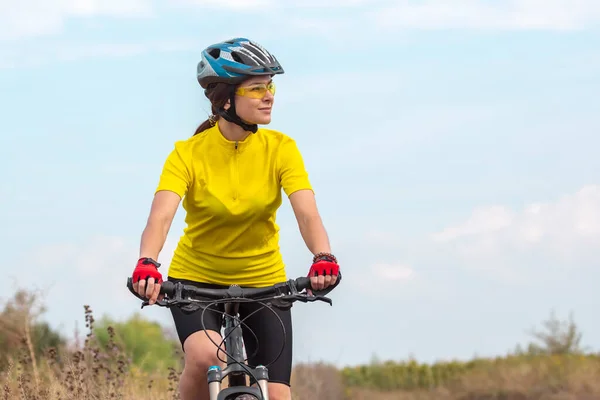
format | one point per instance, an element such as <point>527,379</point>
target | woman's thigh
<point>274,347</point>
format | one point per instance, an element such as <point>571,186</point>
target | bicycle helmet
<point>234,60</point>
<point>231,62</point>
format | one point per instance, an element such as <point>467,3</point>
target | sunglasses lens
<point>256,91</point>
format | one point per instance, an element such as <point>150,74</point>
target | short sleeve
<point>292,173</point>
<point>176,176</point>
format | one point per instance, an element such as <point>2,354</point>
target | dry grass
<point>86,375</point>
<point>316,381</point>
<point>82,373</point>
<point>87,372</point>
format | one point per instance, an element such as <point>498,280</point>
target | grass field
<point>105,372</point>
<point>91,374</point>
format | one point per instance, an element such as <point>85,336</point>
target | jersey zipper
<point>236,174</point>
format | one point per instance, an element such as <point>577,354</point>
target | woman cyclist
<point>230,174</point>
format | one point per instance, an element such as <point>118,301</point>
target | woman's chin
<point>264,120</point>
<point>260,119</point>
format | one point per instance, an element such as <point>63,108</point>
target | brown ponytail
<point>218,94</point>
<point>202,127</point>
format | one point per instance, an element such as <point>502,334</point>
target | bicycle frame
<point>234,345</point>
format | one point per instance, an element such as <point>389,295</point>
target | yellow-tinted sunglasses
<point>257,91</point>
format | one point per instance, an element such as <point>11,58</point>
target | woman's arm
<point>163,209</point>
<point>313,232</point>
<point>309,221</point>
<point>162,212</point>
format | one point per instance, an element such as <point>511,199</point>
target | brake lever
<point>162,303</point>
<point>145,301</point>
<point>167,302</point>
<point>306,299</point>
<point>177,299</point>
<point>320,298</point>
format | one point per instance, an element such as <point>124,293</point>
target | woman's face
<point>254,100</point>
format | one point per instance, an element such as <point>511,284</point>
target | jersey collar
<point>231,145</point>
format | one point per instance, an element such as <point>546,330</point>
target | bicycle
<point>191,298</point>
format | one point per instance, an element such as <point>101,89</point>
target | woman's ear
<point>227,105</point>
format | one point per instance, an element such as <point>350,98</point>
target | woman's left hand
<point>323,272</point>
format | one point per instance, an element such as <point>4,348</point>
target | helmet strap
<point>231,116</point>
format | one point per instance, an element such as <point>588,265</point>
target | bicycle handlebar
<point>177,293</point>
<point>235,291</point>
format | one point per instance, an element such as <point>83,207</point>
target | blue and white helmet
<point>234,60</point>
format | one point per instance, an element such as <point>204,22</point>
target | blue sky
<point>453,150</point>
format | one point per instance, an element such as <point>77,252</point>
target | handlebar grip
<point>302,283</point>
<point>323,292</point>
<point>168,288</point>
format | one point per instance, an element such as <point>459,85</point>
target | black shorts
<point>263,323</point>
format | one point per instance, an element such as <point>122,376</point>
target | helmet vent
<point>236,57</point>
<point>214,53</point>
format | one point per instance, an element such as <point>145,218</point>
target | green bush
<point>142,341</point>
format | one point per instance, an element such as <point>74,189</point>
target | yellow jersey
<point>231,192</point>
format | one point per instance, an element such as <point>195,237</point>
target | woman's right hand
<point>147,279</point>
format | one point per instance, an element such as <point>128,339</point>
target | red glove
<point>324,267</point>
<point>324,264</point>
<point>147,268</point>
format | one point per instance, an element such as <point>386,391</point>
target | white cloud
<point>567,229</point>
<point>483,220</point>
<point>27,18</point>
<point>479,14</point>
<point>382,279</point>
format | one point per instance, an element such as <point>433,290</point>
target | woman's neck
<point>232,131</point>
